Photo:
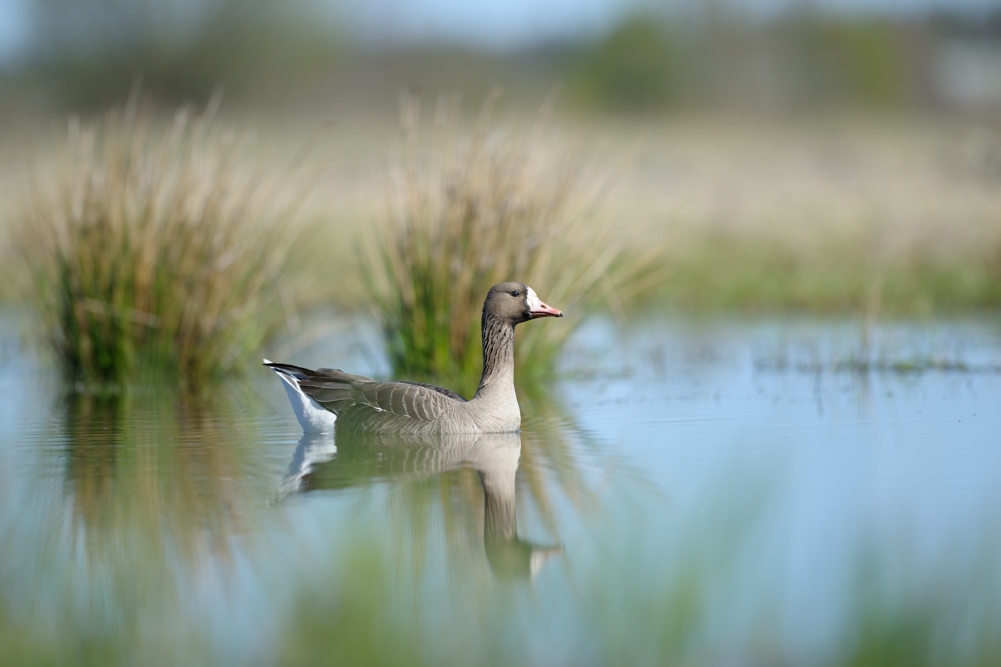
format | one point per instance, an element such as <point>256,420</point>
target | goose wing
<point>338,391</point>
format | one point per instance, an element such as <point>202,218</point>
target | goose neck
<point>498,355</point>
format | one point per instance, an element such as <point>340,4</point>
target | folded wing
<point>339,392</point>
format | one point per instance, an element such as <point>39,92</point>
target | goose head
<point>515,303</point>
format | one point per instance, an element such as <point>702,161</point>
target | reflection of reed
<point>155,475</point>
<point>550,454</point>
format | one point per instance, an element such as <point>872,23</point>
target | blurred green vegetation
<point>634,68</point>
<point>87,55</point>
<point>808,62</point>
<point>946,620</point>
<point>632,607</point>
<point>862,62</point>
<point>357,609</point>
<point>722,272</point>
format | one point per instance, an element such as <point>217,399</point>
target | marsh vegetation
<point>469,211</point>
<point>150,253</point>
<point>166,243</point>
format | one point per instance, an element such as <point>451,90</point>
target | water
<point>722,493</point>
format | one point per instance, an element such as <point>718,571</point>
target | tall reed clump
<point>150,253</point>
<point>466,214</point>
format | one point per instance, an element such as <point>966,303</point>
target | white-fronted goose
<point>327,396</point>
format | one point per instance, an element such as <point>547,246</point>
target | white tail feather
<point>312,416</point>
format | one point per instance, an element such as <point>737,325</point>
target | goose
<point>324,397</point>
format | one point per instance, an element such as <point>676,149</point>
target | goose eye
<point>516,293</point>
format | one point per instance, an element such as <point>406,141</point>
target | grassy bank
<point>818,214</point>
<point>733,273</point>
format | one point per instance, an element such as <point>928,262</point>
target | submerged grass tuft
<point>465,214</point>
<point>152,253</point>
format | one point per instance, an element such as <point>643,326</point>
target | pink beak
<point>542,310</point>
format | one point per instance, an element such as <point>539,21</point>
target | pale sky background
<point>508,24</point>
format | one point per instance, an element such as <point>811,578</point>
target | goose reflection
<point>359,458</point>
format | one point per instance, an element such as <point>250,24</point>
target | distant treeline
<point>89,53</point>
<point>801,61</point>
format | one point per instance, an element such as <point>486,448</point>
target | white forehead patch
<point>533,299</point>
